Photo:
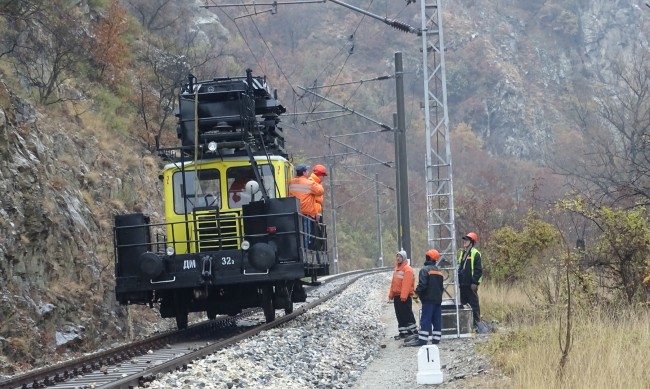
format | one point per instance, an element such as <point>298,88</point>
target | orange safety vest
<point>306,191</point>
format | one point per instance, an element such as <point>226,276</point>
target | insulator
<point>401,25</point>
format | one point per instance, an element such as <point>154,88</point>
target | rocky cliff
<point>514,69</point>
<point>60,184</point>
<point>521,64</point>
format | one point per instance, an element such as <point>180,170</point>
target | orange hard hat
<point>471,236</point>
<point>433,254</point>
<point>320,170</point>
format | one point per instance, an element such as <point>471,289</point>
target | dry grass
<point>610,349</point>
<point>88,198</point>
<point>58,183</point>
<point>150,163</point>
<point>69,160</point>
<point>94,178</point>
<point>507,305</point>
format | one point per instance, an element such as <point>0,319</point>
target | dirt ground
<point>396,366</point>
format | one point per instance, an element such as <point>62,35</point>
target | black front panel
<point>132,239</point>
<point>283,215</point>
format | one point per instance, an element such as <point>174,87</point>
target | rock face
<point>61,182</point>
<point>515,68</point>
<point>55,238</point>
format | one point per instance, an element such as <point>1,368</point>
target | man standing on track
<point>401,288</point>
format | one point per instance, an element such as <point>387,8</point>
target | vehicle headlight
<point>170,251</point>
<point>245,245</point>
<point>212,146</point>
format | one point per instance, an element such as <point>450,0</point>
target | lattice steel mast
<point>440,193</point>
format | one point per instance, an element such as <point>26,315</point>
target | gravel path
<point>344,343</point>
<point>396,366</point>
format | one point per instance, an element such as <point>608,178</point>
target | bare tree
<point>50,48</point>
<point>15,13</point>
<point>157,84</point>
<point>156,15</point>
<point>613,160</point>
<point>167,63</point>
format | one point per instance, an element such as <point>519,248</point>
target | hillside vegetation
<point>550,131</point>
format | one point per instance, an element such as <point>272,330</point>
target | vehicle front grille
<point>217,232</point>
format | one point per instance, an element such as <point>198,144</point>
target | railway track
<point>134,364</point>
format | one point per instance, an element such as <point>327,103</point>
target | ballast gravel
<point>344,343</point>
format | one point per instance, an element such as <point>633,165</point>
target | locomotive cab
<point>231,238</point>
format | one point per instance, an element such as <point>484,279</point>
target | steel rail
<point>62,372</point>
<point>183,361</point>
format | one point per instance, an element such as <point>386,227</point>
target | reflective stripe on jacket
<point>306,191</point>
<point>403,283</point>
<point>475,275</point>
<point>430,283</point>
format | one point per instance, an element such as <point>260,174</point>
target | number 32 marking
<point>227,261</point>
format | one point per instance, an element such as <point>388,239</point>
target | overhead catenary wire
<point>274,3</point>
<point>355,197</point>
<point>348,56</point>
<point>391,22</point>
<point>271,53</point>
<point>264,41</point>
<point>358,151</point>
<point>382,125</point>
<point>244,38</point>
<point>380,78</point>
<point>338,74</point>
<point>336,78</point>
<point>365,176</point>
<point>269,48</point>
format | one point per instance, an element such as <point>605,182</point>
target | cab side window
<point>236,179</point>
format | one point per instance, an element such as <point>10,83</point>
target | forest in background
<point>549,124</point>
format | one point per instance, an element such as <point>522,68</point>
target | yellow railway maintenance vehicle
<point>232,238</point>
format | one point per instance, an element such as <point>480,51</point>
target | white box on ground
<point>429,365</point>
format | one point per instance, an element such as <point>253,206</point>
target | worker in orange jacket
<point>306,191</point>
<point>401,288</point>
<point>318,172</point>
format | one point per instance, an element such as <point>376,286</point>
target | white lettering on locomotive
<point>189,264</point>
<point>227,261</point>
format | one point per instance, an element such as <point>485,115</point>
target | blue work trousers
<point>430,324</point>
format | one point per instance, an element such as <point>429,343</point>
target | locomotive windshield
<point>237,177</point>
<point>199,189</point>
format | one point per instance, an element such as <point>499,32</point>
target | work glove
<point>474,288</point>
